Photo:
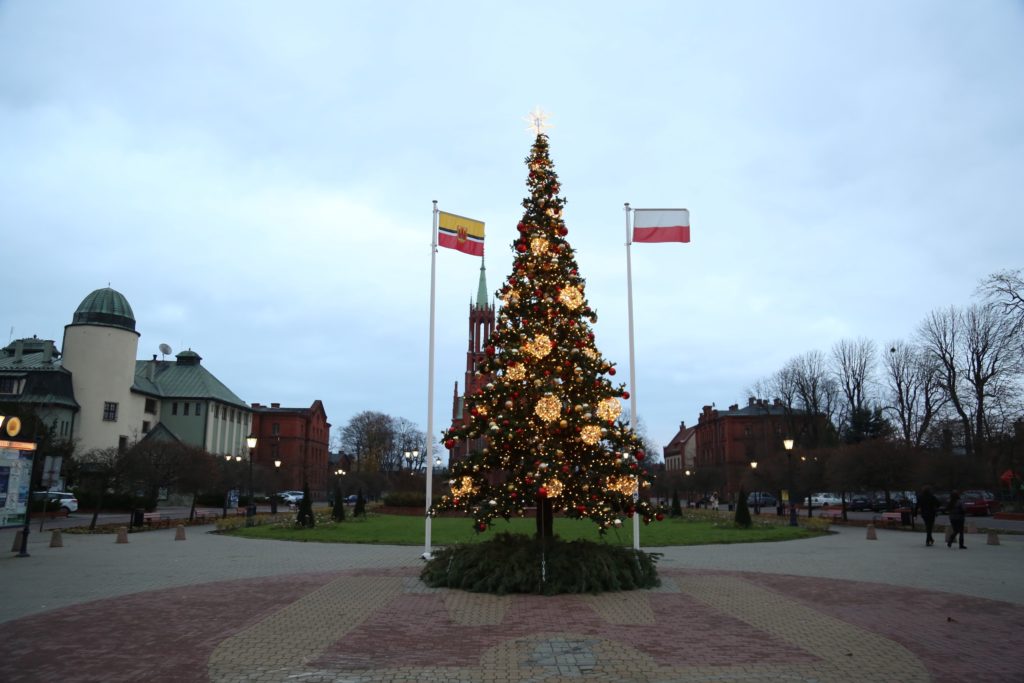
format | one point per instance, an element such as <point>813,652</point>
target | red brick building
<point>298,437</point>
<point>729,440</point>
<point>481,325</point>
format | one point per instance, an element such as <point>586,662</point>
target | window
<point>151,406</point>
<point>197,409</point>
<point>8,385</point>
<point>110,411</point>
<point>185,405</point>
<point>145,426</point>
<point>216,410</point>
<point>174,408</point>
<point>122,444</point>
<point>275,429</point>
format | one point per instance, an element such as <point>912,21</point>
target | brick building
<point>298,437</point>
<point>481,325</point>
<point>729,440</point>
<point>681,451</point>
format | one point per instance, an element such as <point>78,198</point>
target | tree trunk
<point>545,524</point>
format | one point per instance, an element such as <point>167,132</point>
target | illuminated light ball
<point>548,408</point>
<point>572,297</point>
<point>554,488</point>
<point>539,246</point>
<point>540,346</point>
<point>462,486</point>
<point>516,372</point>
<point>590,434</point>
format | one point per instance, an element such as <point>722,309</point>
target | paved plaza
<point>224,609</point>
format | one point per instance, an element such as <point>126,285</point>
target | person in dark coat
<point>956,519</point>
<point>927,507</point>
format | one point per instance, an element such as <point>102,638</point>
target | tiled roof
<point>172,379</point>
<point>105,306</point>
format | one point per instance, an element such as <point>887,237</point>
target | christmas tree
<point>549,415</point>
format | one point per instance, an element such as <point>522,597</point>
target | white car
<point>58,500</point>
<point>291,497</point>
<point>825,499</point>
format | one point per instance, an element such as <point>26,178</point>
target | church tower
<point>481,325</point>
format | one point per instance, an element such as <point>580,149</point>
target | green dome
<point>105,307</point>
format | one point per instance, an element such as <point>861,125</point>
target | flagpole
<point>632,371</point>
<point>430,389</point>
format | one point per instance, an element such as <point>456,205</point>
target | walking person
<point>927,507</point>
<point>956,520</point>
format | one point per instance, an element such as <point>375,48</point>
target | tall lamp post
<point>757,494</point>
<point>410,457</point>
<point>250,510</point>
<point>788,443</point>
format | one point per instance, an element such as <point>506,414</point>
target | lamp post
<point>757,494</point>
<point>788,444</point>
<point>250,510</point>
<point>410,457</point>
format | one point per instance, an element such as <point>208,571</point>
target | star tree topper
<point>538,121</point>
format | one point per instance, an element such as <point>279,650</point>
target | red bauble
<point>542,492</point>
<point>513,495</point>
<point>528,480</point>
<point>659,516</point>
<point>582,509</point>
<point>611,371</point>
<point>521,227</point>
<point>449,443</point>
<point>565,468</point>
<point>640,455</point>
<point>625,394</point>
<point>481,526</point>
<point>490,350</point>
<point>563,231</point>
<point>521,247</point>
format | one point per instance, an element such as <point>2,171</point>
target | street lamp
<point>788,444</point>
<point>757,495</point>
<point>411,456</point>
<point>250,510</point>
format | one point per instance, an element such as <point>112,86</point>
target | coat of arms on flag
<point>460,233</point>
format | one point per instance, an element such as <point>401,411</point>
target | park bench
<point>889,519</point>
<point>207,513</point>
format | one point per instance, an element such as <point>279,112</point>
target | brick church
<point>481,324</point>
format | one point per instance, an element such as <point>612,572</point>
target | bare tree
<point>816,390</point>
<point>854,365</point>
<point>1005,289</point>
<point>915,396</point>
<point>408,438</point>
<point>369,438</point>
<point>940,336</point>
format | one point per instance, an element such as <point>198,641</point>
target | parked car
<point>291,497</point>
<point>979,502</point>
<point>351,500</point>
<point>761,499</point>
<point>860,503</point>
<point>58,500</point>
<point>825,499</point>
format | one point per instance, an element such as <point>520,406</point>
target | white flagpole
<point>430,389</point>
<point>632,371</point>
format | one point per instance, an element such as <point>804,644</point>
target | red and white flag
<point>661,225</point>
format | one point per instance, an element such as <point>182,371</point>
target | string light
<point>572,297</point>
<point>539,246</point>
<point>516,372</point>
<point>555,488</point>
<point>590,434</point>
<point>540,346</point>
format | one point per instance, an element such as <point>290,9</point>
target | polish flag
<point>661,225</point>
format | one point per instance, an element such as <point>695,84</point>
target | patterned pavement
<point>222,609</point>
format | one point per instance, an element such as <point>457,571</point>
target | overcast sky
<point>256,178</point>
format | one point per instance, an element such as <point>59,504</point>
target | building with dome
<point>96,392</point>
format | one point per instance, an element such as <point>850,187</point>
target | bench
<point>889,519</point>
<point>207,513</point>
<point>831,514</point>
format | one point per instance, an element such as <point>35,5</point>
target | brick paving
<point>227,610</point>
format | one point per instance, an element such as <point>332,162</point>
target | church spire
<point>481,292</point>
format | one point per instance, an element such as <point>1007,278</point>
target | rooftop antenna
<point>165,350</point>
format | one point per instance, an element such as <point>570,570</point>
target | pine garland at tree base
<point>511,563</point>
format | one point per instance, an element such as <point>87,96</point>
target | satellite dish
<point>165,349</point>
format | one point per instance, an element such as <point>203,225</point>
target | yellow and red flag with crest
<point>460,233</point>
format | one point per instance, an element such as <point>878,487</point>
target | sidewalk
<point>218,608</point>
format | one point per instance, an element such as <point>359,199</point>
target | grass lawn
<point>694,528</point>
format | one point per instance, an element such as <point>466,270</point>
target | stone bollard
<point>993,538</point>
<point>871,533</point>
<point>55,540</point>
<point>179,534</point>
<point>16,548</point>
<point>122,534</point>
<point>972,528</point>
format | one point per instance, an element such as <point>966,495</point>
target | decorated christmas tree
<point>549,413</point>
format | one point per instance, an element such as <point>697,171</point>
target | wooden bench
<point>207,513</point>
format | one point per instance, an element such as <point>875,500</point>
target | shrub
<point>360,508</point>
<point>512,563</point>
<point>677,509</point>
<point>305,517</point>
<point>742,511</point>
<point>408,499</point>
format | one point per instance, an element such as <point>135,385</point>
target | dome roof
<point>105,307</point>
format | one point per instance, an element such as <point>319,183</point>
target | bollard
<point>972,528</point>
<point>16,548</point>
<point>993,538</point>
<point>179,534</point>
<point>871,533</point>
<point>55,539</point>
<point>122,534</point>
